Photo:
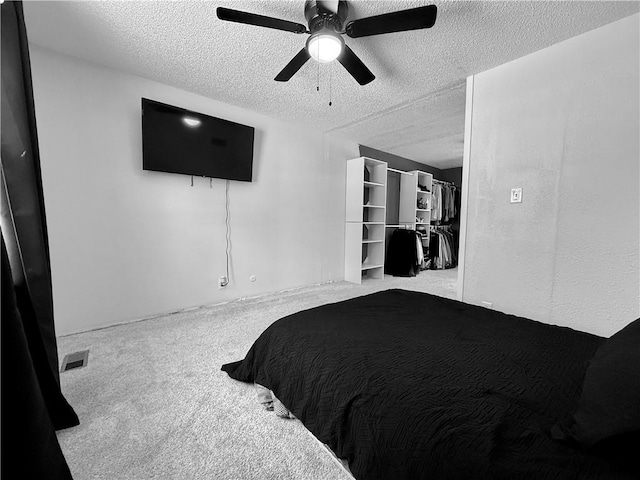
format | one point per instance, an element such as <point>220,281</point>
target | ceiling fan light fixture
<point>325,47</point>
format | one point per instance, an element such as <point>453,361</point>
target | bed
<point>407,385</point>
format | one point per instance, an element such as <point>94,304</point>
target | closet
<point>424,232</point>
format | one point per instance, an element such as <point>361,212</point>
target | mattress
<point>407,385</point>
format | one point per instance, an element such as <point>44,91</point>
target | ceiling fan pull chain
<point>330,90</point>
<point>318,78</point>
<point>192,180</point>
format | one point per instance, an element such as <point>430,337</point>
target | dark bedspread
<point>407,385</point>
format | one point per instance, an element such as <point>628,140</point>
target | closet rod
<point>389,169</point>
<point>443,181</point>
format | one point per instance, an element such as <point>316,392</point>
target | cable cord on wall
<point>227,224</point>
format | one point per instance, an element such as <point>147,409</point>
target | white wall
<point>563,124</point>
<point>127,243</point>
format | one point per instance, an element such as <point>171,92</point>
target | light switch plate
<point>516,195</point>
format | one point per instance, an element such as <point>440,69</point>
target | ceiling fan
<point>327,23</point>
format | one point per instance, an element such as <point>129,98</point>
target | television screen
<point>176,140</point>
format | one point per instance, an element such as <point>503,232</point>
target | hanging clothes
<point>442,248</point>
<point>436,202</point>
<point>419,251</point>
<point>445,201</point>
<point>423,237</point>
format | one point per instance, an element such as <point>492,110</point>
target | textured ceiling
<point>415,106</point>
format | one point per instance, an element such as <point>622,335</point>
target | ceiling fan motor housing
<point>320,17</point>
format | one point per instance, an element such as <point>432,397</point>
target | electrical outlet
<point>223,282</point>
<point>516,195</point>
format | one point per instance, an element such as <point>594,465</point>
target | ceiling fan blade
<point>293,66</point>
<point>259,20</point>
<point>355,67</point>
<point>401,21</point>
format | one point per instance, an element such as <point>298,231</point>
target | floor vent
<point>75,360</point>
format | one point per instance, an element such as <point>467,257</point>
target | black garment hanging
<point>434,246</point>
<point>32,403</point>
<point>402,254</point>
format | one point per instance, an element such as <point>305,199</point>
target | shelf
<point>423,191</point>
<point>369,266</point>
<point>373,184</point>
<point>423,209</point>
<point>366,199</point>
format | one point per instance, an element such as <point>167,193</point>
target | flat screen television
<point>177,140</point>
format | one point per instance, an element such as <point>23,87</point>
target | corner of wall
<point>466,161</point>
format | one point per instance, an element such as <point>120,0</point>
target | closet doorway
<point>428,135</point>
<point>433,199</point>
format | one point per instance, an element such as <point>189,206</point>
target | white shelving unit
<point>415,199</point>
<point>366,203</point>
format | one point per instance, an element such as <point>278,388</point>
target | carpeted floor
<point>153,403</point>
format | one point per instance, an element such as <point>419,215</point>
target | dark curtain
<point>33,406</point>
